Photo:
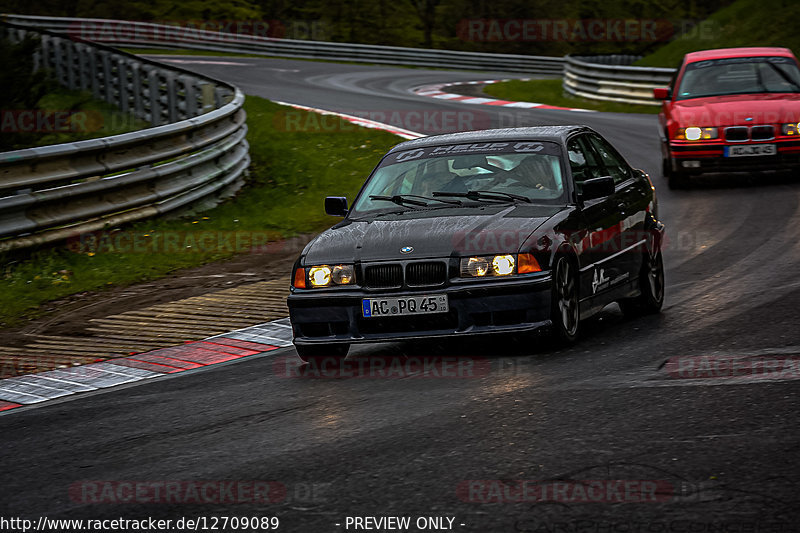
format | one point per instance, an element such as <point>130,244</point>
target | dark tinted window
<point>583,162</point>
<point>615,166</point>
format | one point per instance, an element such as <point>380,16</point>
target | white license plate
<point>750,150</point>
<point>404,306</point>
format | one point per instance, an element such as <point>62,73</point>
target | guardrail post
<point>107,85</point>
<point>95,83</point>
<point>171,96</point>
<point>154,96</point>
<point>137,90</point>
<point>208,96</point>
<point>123,93</point>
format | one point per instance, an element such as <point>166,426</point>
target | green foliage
<point>415,23</point>
<point>744,23</point>
<point>79,115</point>
<point>87,118</point>
<point>21,86</point>
<point>290,174</point>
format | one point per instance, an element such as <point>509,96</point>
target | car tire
<point>675,180</point>
<point>566,312</point>
<point>308,352</point>
<point>651,285</point>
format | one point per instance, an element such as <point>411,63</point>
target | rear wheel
<point>566,313</point>
<point>307,352</point>
<point>651,285</point>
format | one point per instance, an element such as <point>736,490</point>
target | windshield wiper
<point>485,195</point>
<point>409,199</point>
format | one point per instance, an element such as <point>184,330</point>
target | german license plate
<point>750,150</point>
<point>404,306</point>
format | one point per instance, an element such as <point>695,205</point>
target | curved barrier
<point>611,78</point>
<point>195,153</point>
<point>147,35</point>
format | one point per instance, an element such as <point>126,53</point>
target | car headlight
<point>790,129</point>
<point>496,265</point>
<point>503,265</point>
<point>324,276</point>
<point>694,133</point>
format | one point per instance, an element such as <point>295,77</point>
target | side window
<point>582,161</point>
<point>673,82</point>
<point>616,167</point>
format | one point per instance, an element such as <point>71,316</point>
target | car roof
<point>722,53</point>
<point>556,134</point>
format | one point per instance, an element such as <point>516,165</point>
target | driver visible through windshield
<point>529,172</point>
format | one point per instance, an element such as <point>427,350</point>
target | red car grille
<point>749,133</point>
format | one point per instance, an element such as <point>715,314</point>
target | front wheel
<point>675,179</point>
<point>651,285</point>
<point>307,352</point>
<point>566,313</point>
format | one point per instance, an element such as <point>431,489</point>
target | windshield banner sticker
<point>488,148</point>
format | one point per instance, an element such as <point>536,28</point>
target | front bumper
<point>693,158</point>
<point>327,317</point>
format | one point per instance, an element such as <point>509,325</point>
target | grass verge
<point>552,93</point>
<point>69,116</point>
<point>743,23</point>
<point>291,172</point>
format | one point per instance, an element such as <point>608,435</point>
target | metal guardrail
<point>147,35</point>
<point>195,153</point>
<point>613,79</point>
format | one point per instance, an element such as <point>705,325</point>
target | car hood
<point>734,110</point>
<point>435,233</point>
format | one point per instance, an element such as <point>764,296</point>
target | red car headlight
<point>694,133</point>
<point>790,129</point>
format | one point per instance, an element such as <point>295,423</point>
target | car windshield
<point>529,172</point>
<point>739,75</point>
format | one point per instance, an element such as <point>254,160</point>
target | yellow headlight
<point>503,265</point>
<point>319,276</point>
<point>790,129</point>
<point>692,134</point>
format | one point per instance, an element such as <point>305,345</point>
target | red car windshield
<point>739,75</point>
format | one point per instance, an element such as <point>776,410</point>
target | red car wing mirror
<point>661,93</point>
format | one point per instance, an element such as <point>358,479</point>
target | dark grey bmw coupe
<point>484,232</point>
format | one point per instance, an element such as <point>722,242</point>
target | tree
<point>426,12</point>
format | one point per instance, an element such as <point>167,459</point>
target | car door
<point>600,222</point>
<point>631,200</point>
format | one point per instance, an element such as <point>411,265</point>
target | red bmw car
<point>732,109</point>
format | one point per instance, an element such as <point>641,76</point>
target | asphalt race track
<point>721,446</point>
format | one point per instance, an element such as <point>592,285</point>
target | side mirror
<point>662,93</point>
<point>336,206</point>
<point>597,188</point>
